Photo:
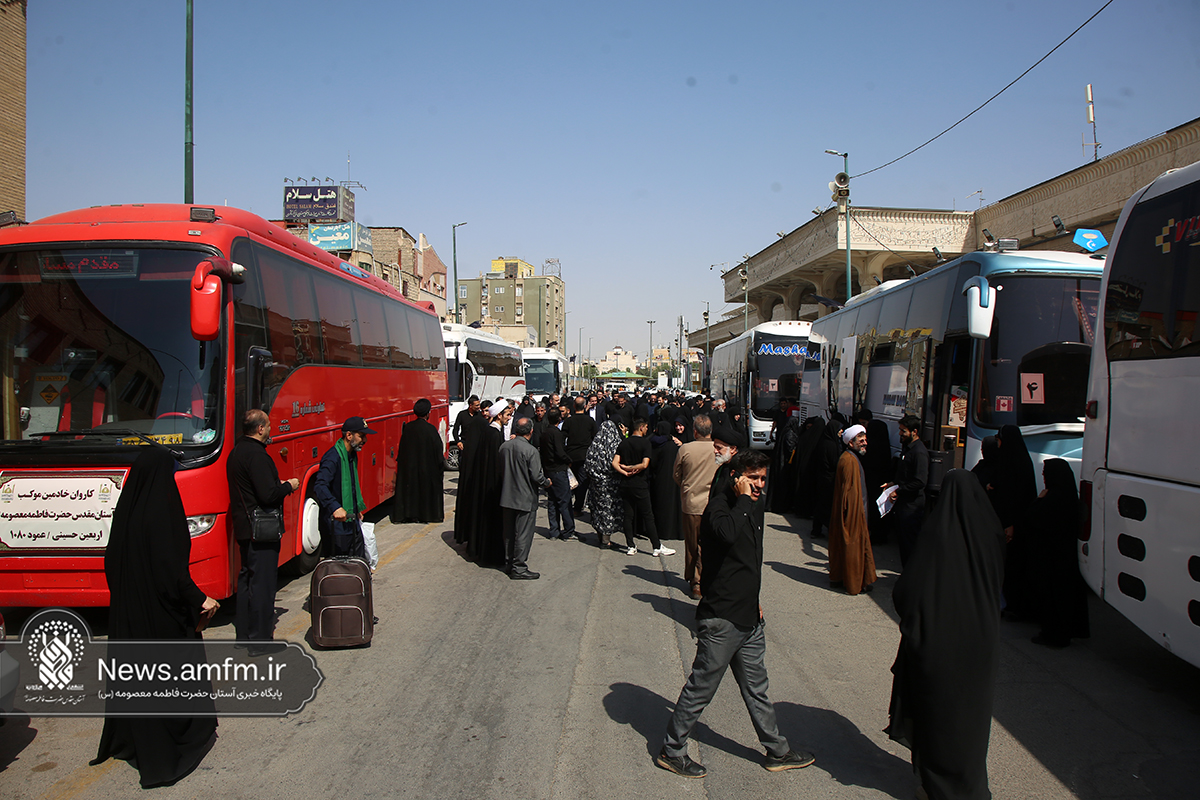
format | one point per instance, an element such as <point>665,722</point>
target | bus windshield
<point>1033,369</point>
<point>541,376</point>
<point>97,343</point>
<point>780,362</point>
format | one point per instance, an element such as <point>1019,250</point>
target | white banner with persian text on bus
<point>40,509</point>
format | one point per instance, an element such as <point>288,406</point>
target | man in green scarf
<point>338,493</point>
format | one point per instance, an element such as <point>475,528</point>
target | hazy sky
<point>636,142</point>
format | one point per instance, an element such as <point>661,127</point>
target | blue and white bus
<point>758,369</point>
<point>1141,483</point>
<point>987,340</point>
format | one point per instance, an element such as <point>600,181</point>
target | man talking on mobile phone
<point>729,623</point>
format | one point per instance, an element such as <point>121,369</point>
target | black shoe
<point>792,759</point>
<point>870,587</point>
<point>265,648</point>
<point>680,766</point>
<point>527,575</point>
<point>566,537</point>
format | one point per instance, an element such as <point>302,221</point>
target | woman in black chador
<point>948,599</point>
<point>152,596</point>
<point>664,492</point>
<point>1014,497</point>
<point>1054,523</point>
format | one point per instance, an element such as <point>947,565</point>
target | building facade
<point>12,107</point>
<point>618,360</point>
<point>512,293</point>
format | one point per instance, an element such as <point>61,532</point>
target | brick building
<point>12,106</point>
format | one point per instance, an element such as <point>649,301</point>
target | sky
<point>636,142</point>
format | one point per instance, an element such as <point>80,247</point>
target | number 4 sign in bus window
<point>1033,389</point>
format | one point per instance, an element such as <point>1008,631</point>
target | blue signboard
<point>343,236</point>
<point>1090,240</point>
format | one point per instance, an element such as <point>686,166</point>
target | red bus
<point>147,325</point>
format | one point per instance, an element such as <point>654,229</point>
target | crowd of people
<point>661,466</point>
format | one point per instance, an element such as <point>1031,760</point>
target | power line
<point>990,99</point>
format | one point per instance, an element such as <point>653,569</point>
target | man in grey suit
<point>521,468</point>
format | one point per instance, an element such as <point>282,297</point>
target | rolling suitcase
<point>340,603</point>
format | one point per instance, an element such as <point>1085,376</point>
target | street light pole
<point>454,244</point>
<point>188,196</point>
<point>707,346</point>
<point>650,354</point>
<point>579,358</point>
<point>846,169</point>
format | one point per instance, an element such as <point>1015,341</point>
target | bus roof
<point>547,352</point>
<point>779,327</point>
<point>456,332</point>
<point>172,222</point>
<point>1042,262</point>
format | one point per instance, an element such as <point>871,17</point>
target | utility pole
<point>188,193</point>
<point>454,244</point>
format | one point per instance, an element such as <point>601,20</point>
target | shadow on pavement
<point>813,577</point>
<point>843,750</point>
<point>16,734</point>
<point>656,576</point>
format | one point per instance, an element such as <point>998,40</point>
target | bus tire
<point>310,536</point>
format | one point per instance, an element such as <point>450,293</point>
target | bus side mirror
<point>981,307</point>
<point>205,304</point>
<point>207,294</point>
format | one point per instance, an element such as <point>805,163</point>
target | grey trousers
<point>518,538</point>
<point>721,644</point>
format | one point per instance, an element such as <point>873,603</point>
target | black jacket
<point>553,451</point>
<point>731,538</point>
<point>579,430</point>
<point>913,474</point>
<point>253,481</point>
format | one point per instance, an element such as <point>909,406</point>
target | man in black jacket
<point>729,624</point>
<point>339,494</point>
<point>254,483</point>
<point>909,497</point>
<point>579,429</point>
<point>555,464</point>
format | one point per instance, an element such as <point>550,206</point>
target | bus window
<point>416,332</point>
<point>373,328</point>
<point>402,350</point>
<point>339,328</point>
<point>1153,296</point>
<point>927,310</point>
<point>294,335</point>
<point>249,317</point>
<point>1033,368</point>
<point>894,314</point>
<point>433,338</point>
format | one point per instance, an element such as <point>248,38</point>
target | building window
<point>462,292</point>
<point>497,309</point>
<point>519,291</point>
<point>498,290</point>
<point>520,310</point>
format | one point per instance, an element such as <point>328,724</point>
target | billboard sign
<point>318,204</point>
<point>341,237</point>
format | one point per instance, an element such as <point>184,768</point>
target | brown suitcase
<point>340,603</point>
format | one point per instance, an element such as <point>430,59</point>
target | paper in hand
<point>884,502</point>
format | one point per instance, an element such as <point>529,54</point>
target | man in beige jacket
<point>695,467</point>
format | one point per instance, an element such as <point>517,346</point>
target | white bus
<point>1140,548</point>
<point>546,371</point>
<point>760,367</point>
<point>482,364</point>
<point>987,340</point>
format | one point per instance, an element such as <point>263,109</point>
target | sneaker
<point>631,551</point>
<point>792,759</point>
<point>664,551</point>
<point>680,766</point>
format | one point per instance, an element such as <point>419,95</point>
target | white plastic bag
<point>368,532</point>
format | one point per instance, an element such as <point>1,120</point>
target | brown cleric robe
<point>851,561</point>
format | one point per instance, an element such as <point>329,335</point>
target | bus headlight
<point>198,526</point>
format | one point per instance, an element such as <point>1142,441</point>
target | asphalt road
<point>477,687</point>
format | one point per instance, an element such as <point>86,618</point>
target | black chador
<point>948,599</point>
<point>419,467</point>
